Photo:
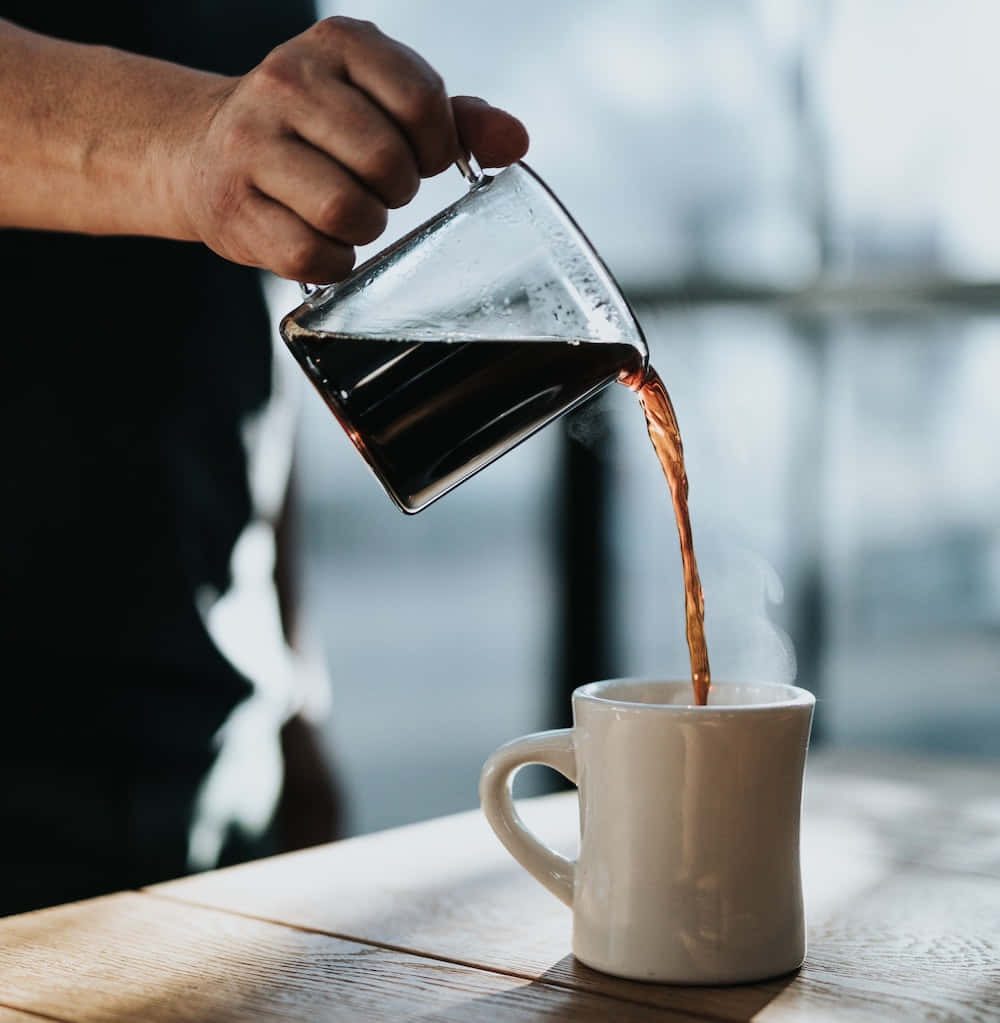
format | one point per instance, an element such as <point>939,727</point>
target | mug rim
<point>596,692</point>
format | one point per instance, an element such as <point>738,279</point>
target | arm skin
<point>287,167</point>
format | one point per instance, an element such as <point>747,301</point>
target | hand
<point>298,161</point>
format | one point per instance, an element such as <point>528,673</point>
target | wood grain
<point>136,957</point>
<point>900,870</point>
<point>16,1016</point>
<point>942,813</point>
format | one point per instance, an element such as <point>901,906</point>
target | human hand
<point>295,163</point>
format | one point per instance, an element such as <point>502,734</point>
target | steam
<point>745,643</point>
<point>591,427</point>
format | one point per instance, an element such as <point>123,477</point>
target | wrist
<point>176,161</point>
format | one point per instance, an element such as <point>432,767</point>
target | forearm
<point>288,167</point>
<point>92,136</point>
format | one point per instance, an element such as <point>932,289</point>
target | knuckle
<point>277,74</point>
<point>422,101</point>
<point>329,30</point>
<point>384,158</point>
<point>333,212</point>
<point>389,168</point>
<point>301,259</point>
<point>362,26</point>
<point>336,29</point>
<point>357,219</point>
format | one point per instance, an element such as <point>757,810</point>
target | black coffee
<point>426,414</point>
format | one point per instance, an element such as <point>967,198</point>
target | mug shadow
<point>570,990</point>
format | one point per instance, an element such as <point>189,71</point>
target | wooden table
<point>434,921</point>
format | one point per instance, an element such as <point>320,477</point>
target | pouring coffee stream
<point>661,422</point>
<point>471,333</point>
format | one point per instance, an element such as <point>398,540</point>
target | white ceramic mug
<point>688,869</point>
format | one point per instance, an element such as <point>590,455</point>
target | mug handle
<point>553,749</point>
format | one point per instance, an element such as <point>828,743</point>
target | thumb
<point>493,136</point>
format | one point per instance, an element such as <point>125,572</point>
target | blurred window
<point>797,197</point>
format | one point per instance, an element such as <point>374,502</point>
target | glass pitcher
<point>466,336</point>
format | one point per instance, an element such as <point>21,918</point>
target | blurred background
<point>797,197</point>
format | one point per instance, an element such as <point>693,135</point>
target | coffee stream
<point>661,421</point>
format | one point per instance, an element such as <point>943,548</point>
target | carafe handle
<point>469,169</point>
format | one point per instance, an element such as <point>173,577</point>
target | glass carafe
<point>466,336</point>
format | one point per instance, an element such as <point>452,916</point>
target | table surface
<point>434,921</point>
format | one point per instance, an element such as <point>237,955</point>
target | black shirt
<point>129,367</point>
